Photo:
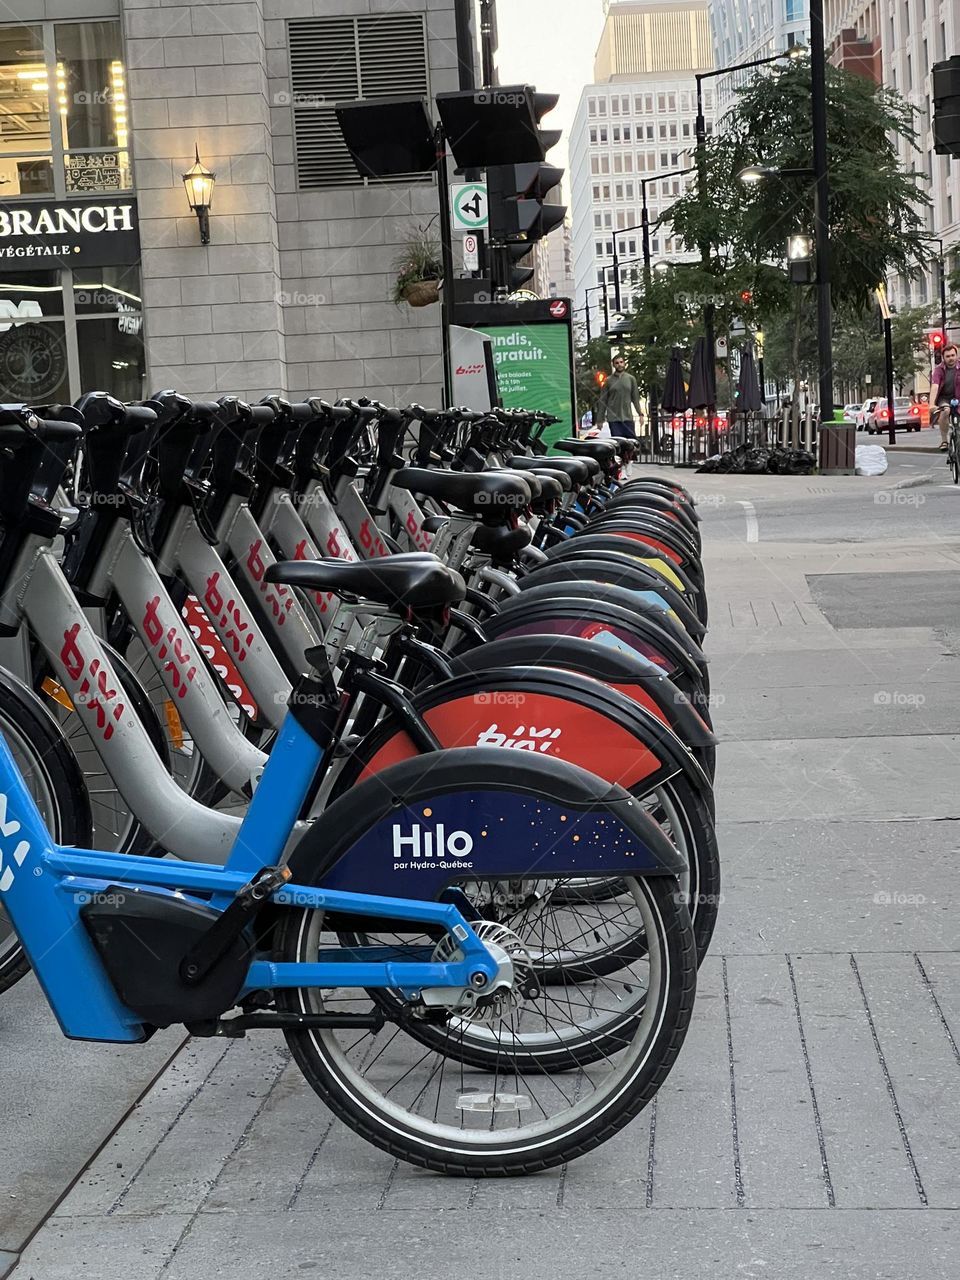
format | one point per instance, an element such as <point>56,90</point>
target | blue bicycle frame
<point>43,887</point>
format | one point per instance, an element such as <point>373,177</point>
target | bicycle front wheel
<point>425,1103</point>
<point>53,778</point>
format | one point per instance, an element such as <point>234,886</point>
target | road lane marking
<point>753,529</point>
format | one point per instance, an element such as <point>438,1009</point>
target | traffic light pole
<point>821,210</point>
<point>446,254</point>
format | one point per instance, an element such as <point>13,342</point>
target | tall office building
<point>897,44</point>
<point>747,29</point>
<point>634,123</point>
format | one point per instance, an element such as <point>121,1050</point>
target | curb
<point>914,482</point>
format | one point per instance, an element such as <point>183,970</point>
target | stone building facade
<point>292,293</point>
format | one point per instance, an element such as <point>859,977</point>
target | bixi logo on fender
<point>434,848</point>
<point>522,738</point>
<point>10,827</point>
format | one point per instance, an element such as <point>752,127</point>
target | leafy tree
<point>875,206</point>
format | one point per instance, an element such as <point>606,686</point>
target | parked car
<point>906,416</point>
<point>850,412</point>
<point>863,413</point>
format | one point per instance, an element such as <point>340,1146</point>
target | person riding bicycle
<point>620,396</point>
<point>945,386</point>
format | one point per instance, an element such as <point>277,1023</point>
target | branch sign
<point>468,201</point>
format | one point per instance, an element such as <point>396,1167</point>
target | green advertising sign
<point>534,363</point>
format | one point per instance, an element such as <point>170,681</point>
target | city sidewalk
<point>809,1129</point>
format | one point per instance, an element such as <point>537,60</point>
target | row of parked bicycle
<point>381,727</point>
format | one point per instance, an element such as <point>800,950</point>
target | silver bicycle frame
<point>178,661</point>
<point>187,554</point>
<point>38,593</point>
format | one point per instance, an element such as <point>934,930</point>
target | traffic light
<point>517,200</point>
<point>937,339</point>
<point>746,295</point>
<point>600,378</point>
<point>946,107</point>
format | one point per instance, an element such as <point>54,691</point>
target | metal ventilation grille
<point>335,59</point>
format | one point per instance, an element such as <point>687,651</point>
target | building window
<point>909,72</point>
<point>641,162</point>
<point>598,248</point>
<point>597,221</point>
<point>664,159</point>
<point>604,164</point>
<point>686,128</point>
<point>591,106</point>
<point>671,102</point>
<point>601,277</point>
<point>661,102</point>
<point>627,133</point>
<point>618,190</point>
<point>649,132</point>
<point>628,163</point>
<point>625,105</point>
<point>601,106</point>
<point>603,133</point>
<point>606,191</point>
<point>673,132</point>
<point>638,105</point>
<point>655,245</point>
<point>593,136</point>
<point>648,102</point>
<point>629,190</point>
<point>631,246</point>
<point>663,133</point>
<point>608,220</point>
<point>595,164</point>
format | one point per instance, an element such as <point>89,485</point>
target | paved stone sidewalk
<point>810,1127</point>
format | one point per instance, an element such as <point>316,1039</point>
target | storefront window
<point>25,164</point>
<point>29,295</point>
<point>33,363</point>
<point>76,328</point>
<point>111,355</point>
<point>92,104</point>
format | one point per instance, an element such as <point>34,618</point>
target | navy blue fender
<point>479,813</point>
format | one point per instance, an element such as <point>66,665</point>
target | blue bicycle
<point>122,945</point>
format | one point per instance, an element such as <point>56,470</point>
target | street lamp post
<point>821,208</point>
<point>599,288</point>
<point>700,129</point>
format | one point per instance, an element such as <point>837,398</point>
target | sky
<point>551,44</point>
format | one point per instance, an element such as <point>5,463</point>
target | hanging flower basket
<point>419,269</point>
<point>421,293</point>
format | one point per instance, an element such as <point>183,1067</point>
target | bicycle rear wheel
<point>53,778</point>
<point>430,1106</point>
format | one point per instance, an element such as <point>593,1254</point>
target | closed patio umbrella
<point>749,397</point>
<point>703,385</point>
<point>674,399</point>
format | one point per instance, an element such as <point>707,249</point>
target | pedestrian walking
<point>945,386</point>
<point>618,400</point>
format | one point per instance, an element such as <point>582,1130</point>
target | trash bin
<point>837,447</point>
